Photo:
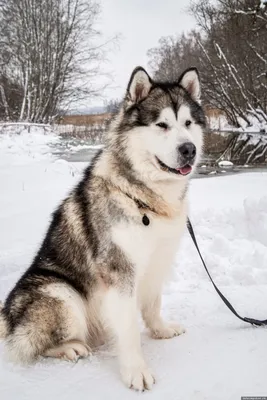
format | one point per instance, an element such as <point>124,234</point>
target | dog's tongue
<point>185,170</point>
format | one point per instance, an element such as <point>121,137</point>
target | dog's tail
<point>3,327</point>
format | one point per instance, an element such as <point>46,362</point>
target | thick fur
<point>3,327</point>
<point>99,265</point>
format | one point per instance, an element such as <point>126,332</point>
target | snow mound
<point>234,245</point>
<point>225,163</point>
<point>19,146</point>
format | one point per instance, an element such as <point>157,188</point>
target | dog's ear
<point>189,80</point>
<point>139,85</point>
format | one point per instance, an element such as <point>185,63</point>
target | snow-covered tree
<point>230,49</point>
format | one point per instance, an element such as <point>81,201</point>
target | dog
<point>111,243</point>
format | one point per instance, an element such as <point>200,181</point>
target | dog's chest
<point>141,242</point>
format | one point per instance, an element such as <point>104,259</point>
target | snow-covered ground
<point>219,358</point>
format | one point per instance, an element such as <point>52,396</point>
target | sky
<point>141,23</point>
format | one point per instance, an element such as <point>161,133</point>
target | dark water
<point>71,150</point>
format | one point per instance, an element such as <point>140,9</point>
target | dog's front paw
<point>167,331</point>
<point>138,377</point>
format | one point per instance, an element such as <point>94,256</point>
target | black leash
<point>224,299</point>
<point>146,222</point>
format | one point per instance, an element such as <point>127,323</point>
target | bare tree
<point>112,106</point>
<point>51,49</point>
<point>173,55</point>
<point>233,41</point>
<point>229,49</point>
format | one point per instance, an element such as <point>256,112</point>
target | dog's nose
<point>187,150</point>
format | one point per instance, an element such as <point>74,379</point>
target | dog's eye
<point>188,122</point>
<point>162,125</point>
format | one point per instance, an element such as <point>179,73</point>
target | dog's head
<point>159,126</point>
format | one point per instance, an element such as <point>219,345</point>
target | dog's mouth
<point>185,170</point>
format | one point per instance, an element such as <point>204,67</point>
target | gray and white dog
<point>112,241</point>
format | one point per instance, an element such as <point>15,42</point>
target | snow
<point>225,163</point>
<point>256,125</point>
<point>75,148</point>
<point>25,146</point>
<point>219,357</point>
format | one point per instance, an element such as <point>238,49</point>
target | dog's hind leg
<point>71,350</point>
<point>54,319</point>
